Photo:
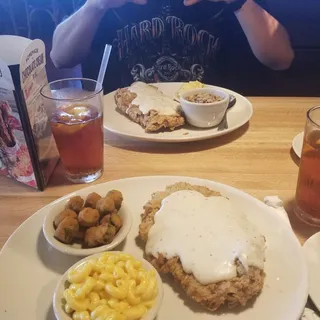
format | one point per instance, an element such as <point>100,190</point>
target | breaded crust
<point>231,293</point>
<point>153,121</point>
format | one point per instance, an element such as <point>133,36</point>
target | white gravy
<point>150,98</point>
<point>207,234</point>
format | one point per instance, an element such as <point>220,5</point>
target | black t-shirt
<point>164,41</point>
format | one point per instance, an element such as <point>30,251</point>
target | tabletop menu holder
<point>28,151</point>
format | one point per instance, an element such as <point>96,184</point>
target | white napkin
<point>276,203</point>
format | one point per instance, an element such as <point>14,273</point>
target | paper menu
<point>33,77</point>
<point>28,151</point>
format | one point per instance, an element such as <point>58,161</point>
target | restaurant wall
<point>38,19</point>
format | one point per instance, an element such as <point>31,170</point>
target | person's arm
<point>268,39</point>
<point>72,39</point>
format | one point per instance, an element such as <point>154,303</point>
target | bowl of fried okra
<point>84,225</point>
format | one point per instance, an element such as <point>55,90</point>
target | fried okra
<point>105,205</point>
<point>106,219</point>
<point>66,230</point>
<point>117,197</point>
<point>97,236</point>
<point>93,222</point>
<point>113,219</point>
<point>79,235</point>
<point>92,200</point>
<point>63,214</point>
<point>88,217</point>
<point>116,221</point>
<point>75,204</point>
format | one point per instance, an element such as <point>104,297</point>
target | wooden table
<point>256,158</point>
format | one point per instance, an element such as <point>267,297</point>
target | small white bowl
<point>58,293</point>
<point>205,115</point>
<point>75,249</point>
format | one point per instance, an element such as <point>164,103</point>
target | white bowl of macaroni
<point>110,285</point>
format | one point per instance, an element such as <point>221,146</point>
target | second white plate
<point>312,253</point>
<point>297,144</point>
<point>119,124</point>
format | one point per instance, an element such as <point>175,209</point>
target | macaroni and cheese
<point>113,286</point>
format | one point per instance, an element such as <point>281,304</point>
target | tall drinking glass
<point>75,110</point>
<point>308,188</point>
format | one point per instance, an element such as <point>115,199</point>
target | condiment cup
<point>205,115</point>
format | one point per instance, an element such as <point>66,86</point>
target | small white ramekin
<point>205,115</point>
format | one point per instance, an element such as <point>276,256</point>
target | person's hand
<point>192,2</point>
<point>107,4</point>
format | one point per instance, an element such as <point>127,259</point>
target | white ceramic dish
<point>297,144</point>
<point>30,268</point>
<point>312,252</point>
<point>115,122</point>
<point>56,207</point>
<point>204,115</point>
<point>58,295</point>
<point>309,315</point>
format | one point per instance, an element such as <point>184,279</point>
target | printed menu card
<point>28,151</point>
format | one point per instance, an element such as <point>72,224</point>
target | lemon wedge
<point>189,86</point>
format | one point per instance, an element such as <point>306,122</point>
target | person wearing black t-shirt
<point>168,40</point>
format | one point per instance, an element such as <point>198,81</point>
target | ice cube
<point>80,111</point>
<point>63,117</point>
<point>76,113</point>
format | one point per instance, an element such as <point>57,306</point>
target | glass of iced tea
<point>75,110</point>
<point>308,188</point>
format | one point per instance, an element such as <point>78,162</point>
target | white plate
<point>312,253</point>
<point>297,144</point>
<point>309,315</point>
<point>57,206</point>
<point>58,295</point>
<point>30,268</point>
<point>117,123</point>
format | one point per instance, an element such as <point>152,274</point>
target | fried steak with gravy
<point>231,293</point>
<point>151,121</point>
